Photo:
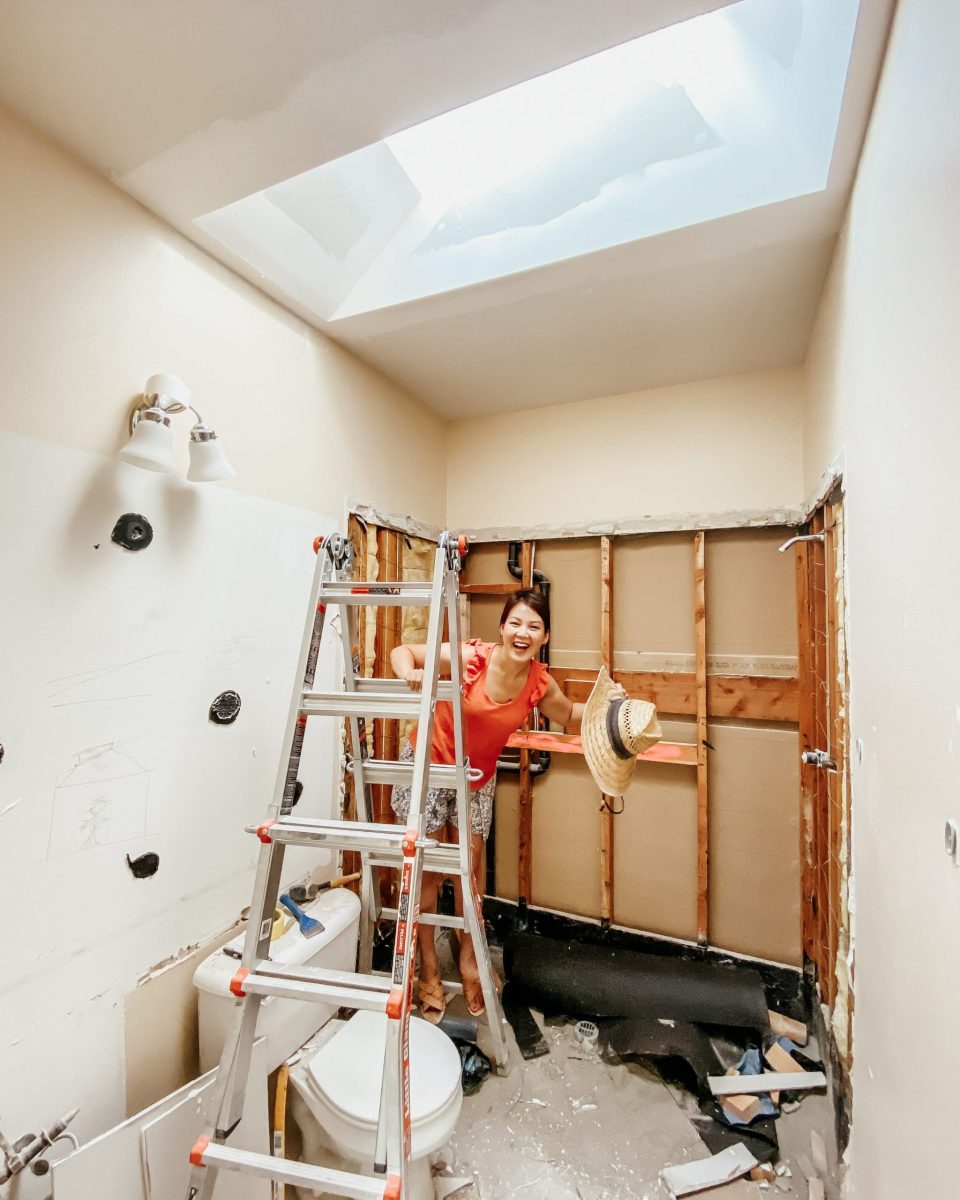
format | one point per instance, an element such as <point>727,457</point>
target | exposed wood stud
<point>836,735</point>
<point>806,684</point>
<point>525,848</point>
<point>703,812</point>
<point>822,698</point>
<point>487,589</point>
<point>609,802</point>
<point>748,697</point>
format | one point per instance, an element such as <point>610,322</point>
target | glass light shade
<point>151,443</point>
<point>208,463</point>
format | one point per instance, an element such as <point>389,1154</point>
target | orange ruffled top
<point>487,725</point>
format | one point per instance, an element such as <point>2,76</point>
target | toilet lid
<point>346,1072</point>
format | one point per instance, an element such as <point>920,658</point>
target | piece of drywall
<point>160,1028</point>
<point>882,378</point>
<point>755,841</point>
<point>762,625</point>
<point>110,662</point>
<point>722,444</point>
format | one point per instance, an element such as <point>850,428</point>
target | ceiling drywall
<point>191,106</point>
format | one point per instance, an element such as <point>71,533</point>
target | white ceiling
<point>192,104</point>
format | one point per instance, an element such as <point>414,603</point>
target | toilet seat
<point>343,1079</point>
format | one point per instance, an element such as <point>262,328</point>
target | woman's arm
<point>409,660</point>
<point>559,708</point>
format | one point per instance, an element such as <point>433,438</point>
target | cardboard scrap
<point>724,1167</point>
<point>783,1026</point>
<point>741,1108</point>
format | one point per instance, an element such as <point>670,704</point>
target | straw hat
<point>615,729</point>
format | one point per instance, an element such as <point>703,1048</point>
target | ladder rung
<point>399,687</point>
<point>403,705</point>
<point>344,835</point>
<point>345,989</point>
<point>381,770</point>
<point>448,922</point>
<point>384,595</point>
<point>284,1170</point>
<point>443,857</point>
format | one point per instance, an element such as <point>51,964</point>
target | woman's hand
<point>414,680</point>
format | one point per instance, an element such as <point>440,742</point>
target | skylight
<point>726,112</point>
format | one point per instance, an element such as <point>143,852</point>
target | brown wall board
<point>573,569</point>
<point>655,857</point>
<point>507,833</point>
<point>754,841</point>
<point>566,838</point>
<point>752,593</point>
<point>486,564</point>
<point>654,594</point>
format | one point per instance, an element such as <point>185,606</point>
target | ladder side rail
<point>393,1125</point>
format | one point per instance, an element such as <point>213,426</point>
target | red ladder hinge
<point>263,831</point>
<point>409,844</point>
<point>200,1147</point>
<point>236,983</point>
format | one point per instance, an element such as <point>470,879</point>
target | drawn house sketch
<point>102,799</point>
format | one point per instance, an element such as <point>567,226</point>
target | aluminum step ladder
<point>395,847</point>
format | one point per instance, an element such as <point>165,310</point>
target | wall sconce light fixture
<point>151,439</point>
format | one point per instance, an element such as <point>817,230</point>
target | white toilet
<point>334,1095</point>
<point>286,1024</point>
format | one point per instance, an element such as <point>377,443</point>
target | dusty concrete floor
<point>569,1126</point>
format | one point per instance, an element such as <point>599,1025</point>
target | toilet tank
<point>285,1023</point>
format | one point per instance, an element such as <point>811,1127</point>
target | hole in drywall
<point>133,532</point>
<point>225,708</point>
<point>144,866</point>
<point>2,752</point>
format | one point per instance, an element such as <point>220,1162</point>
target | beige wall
<point>883,375</point>
<point>96,294</point>
<point>717,445</point>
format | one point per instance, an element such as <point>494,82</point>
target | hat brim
<point>611,773</point>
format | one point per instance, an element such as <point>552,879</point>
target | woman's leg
<point>429,890</point>
<point>469,972</point>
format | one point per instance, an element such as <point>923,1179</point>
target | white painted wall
<point>104,648</point>
<point>883,374</point>
<point>717,445</point>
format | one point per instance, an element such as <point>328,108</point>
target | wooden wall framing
<point>824,790</point>
<point>688,701</point>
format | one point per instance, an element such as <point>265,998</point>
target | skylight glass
<point>728,111</point>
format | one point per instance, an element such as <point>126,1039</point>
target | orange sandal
<point>432,1000</point>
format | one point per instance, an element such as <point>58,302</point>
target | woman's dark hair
<point>532,600</point>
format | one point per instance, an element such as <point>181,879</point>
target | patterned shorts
<point>441,803</point>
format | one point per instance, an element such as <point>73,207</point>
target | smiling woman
<point>502,682</point>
